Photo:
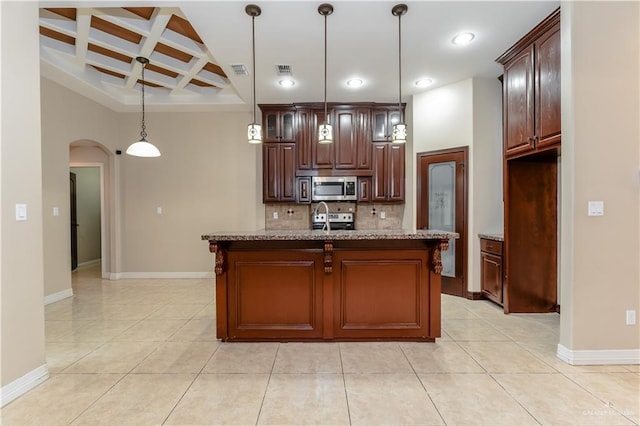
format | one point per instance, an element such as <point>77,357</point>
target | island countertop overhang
<point>317,235</point>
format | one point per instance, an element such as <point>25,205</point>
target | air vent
<point>284,69</point>
<point>240,70</point>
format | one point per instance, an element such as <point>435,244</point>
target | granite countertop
<point>494,237</point>
<point>279,235</point>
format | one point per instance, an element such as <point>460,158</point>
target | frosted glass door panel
<point>442,208</point>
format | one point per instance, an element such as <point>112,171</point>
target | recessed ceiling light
<point>462,39</point>
<point>287,83</point>
<point>355,82</point>
<point>424,82</point>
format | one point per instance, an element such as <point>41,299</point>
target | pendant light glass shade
<point>325,131</point>
<point>143,148</point>
<point>254,130</point>
<point>399,131</point>
<point>254,133</point>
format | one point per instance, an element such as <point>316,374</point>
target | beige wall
<point>21,249</point>
<point>207,179</point>
<point>66,118</point>
<point>600,161</point>
<point>467,113</point>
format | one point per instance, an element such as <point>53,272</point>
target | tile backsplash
<point>368,216</point>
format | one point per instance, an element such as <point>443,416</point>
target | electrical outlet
<point>158,210</point>
<point>275,215</point>
<point>631,317</point>
<point>383,215</point>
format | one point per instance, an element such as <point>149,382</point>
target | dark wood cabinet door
<point>396,172</point>
<point>323,154</point>
<point>288,171</point>
<point>279,125</point>
<point>518,104</point>
<point>379,131</point>
<point>364,189</point>
<point>279,172</point>
<point>548,129</point>
<point>379,179</point>
<point>345,138</point>
<point>363,141</point>
<point>304,189</point>
<point>271,177</point>
<point>305,139</point>
<point>491,276</point>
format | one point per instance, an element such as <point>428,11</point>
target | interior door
<point>442,204</point>
<point>74,221</point>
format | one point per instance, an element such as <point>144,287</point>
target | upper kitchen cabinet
<point>388,172</point>
<point>278,172</point>
<point>531,90</point>
<point>279,123</point>
<point>382,121</point>
<point>351,139</point>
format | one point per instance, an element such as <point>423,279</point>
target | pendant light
<point>254,130</point>
<point>325,131</point>
<point>143,148</point>
<point>399,132</point>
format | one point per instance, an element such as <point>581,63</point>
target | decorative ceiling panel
<point>98,47</point>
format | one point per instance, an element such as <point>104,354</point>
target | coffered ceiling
<point>195,49</point>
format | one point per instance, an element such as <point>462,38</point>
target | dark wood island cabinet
<point>323,286</point>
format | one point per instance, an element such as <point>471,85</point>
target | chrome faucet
<point>327,226</point>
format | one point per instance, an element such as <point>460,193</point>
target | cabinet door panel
<point>518,94</point>
<point>271,176</point>
<point>287,126</point>
<point>396,172</point>
<point>345,139</point>
<point>491,276</point>
<point>305,138</point>
<point>363,142</point>
<point>288,168</point>
<point>379,180</point>
<point>548,87</point>
<point>379,126</point>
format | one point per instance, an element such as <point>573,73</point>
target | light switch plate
<point>21,212</point>
<point>596,208</point>
<point>56,211</point>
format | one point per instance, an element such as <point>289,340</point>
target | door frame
<point>461,197</point>
<point>103,229</point>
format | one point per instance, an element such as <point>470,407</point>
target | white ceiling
<point>362,42</point>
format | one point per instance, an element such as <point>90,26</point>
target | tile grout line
<point>344,383</point>
<point>422,384</point>
<point>266,388</point>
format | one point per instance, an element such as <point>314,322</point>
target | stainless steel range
<point>337,221</point>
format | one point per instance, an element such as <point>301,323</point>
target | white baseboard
<point>89,263</point>
<point>159,275</point>
<point>55,297</point>
<point>599,357</point>
<point>23,385</point>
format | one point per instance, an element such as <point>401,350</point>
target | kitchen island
<point>324,286</point>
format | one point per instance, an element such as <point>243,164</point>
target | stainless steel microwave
<point>334,188</point>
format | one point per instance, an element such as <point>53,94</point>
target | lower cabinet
<point>491,270</point>
<point>292,290</point>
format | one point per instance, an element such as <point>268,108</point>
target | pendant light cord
<point>143,133</point>
<point>253,64</point>
<point>326,119</point>
<point>400,66</point>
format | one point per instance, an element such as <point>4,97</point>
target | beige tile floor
<point>143,352</point>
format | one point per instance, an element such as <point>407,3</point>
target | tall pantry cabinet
<point>532,136</point>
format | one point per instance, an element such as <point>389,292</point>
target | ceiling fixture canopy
<point>143,148</point>
<point>254,130</point>
<point>399,132</point>
<point>325,131</point>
